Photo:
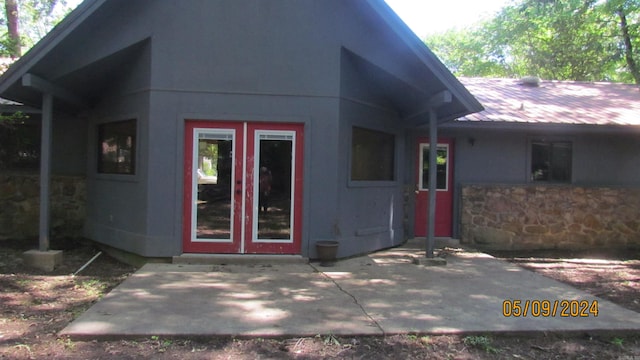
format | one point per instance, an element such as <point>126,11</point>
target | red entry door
<point>243,187</point>
<point>444,195</point>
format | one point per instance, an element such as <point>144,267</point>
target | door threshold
<point>237,259</point>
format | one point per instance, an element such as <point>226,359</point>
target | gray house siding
<point>608,159</point>
<point>370,213</point>
<point>117,206</point>
<point>601,157</point>
<point>171,109</point>
<point>327,64</point>
<point>246,64</point>
<point>246,47</point>
<point>296,80</point>
<point>251,61</point>
<point>68,146</point>
<point>503,156</point>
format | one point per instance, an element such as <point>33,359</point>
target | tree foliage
<point>587,40</point>
<point>466,53</point>
<point>27,21</point>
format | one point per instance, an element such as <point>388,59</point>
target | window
<point>117,147</point>
<point>551,161</point>
<point>441,170</point>
<point>19,144</point>
<point>372,155</point>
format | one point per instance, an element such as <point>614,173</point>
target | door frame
<point>244,203</point>
<point>444,224</point>
<point>251,243</point>
<point>189,245</point>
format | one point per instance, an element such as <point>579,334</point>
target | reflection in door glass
<point>441,169</point>
<point>213,174</point>
<point>274,186</point>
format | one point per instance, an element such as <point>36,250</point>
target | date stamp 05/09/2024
<point>550,308</point>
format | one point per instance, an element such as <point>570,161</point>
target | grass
<point>68,344</point>
<point>23,346</point>
<point>481,342</point>
<point>162,344</point>
<point>617,341</point>
<point>94,287</point>
<point>425,340</point>
<point>331,340</point>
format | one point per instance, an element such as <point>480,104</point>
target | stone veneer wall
<point>20,206</point>
<point>513,217</point>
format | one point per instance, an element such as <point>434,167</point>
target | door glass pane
<point>213,173</point>
<point>441,170</point>
<point>275,172</point>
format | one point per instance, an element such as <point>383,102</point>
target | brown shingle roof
<point>554,102</point>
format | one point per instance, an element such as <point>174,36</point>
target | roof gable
<point>407,50</point>
<point>462,98</point>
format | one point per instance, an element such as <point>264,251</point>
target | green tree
<point>625,14</point>
<point>467,53</point>
<point>12,39</point>
<point>585,40</point>
<point>561,39</point>
<point>27,21</point>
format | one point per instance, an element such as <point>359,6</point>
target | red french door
<point>243,187</point>
<point>444,186</point>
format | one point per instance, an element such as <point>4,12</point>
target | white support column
<point>433,167</point>
<point>45,171</point>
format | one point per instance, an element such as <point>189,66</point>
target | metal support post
<point>433,167</point>
<point>45,171</point>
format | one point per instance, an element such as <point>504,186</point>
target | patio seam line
<point>355,300</point>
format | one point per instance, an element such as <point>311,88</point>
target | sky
<point>426,17</point>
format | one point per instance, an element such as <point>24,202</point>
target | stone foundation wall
<point>20,206</point>
<point>513,217</point>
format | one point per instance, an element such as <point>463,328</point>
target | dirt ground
<point>35,306</point>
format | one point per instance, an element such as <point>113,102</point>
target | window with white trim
<point>442,167</point>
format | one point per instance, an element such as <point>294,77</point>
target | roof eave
<point>459,92</point>
<point>547,127</point>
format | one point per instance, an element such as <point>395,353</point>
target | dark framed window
<point>117,147</point>
<point>372,155</point>
<point>551,161</point>
<point>20,145</point>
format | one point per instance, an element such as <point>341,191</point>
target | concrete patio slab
<point>383,293</point>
